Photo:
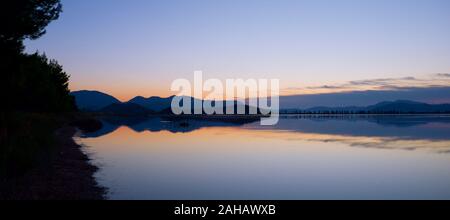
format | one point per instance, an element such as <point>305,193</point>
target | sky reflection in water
<point>382,157</point>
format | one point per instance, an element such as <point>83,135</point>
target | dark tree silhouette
<point>22,19</point>
<point>41,85</point>
<point>30,83</point>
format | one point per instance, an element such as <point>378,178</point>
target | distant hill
<point>93,100</point>
<point>329,109</point>
<point>405,106</point>
<point>225,104</point>
<point>153,103</point>
<point>126,109</point>
<point>400,106</point>
<point>364,98</point>
<point>101,102</point>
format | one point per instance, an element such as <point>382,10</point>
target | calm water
<point>382,157</point>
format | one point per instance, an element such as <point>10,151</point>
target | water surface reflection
<point>382,157</point>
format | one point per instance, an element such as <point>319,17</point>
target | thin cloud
<point>404,83</point>
<point>443,74</point>
<point>326,87</point>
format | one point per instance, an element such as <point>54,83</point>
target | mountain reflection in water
<point>408,132</point>
<point>314,157</point>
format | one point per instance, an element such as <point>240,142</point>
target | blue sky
<point>138,47</point>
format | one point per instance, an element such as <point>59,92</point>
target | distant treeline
<point>362,112</point>
<point>386,107</point>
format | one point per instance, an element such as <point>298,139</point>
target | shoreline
<point>68,175</point>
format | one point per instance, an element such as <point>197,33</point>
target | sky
<point>138,47</point>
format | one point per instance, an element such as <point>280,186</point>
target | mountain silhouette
<point>96,101</point>
<point>154,103</point>
<point>438,95</point>
<point>340,109</point>
<point>225,106</point>
<point>93,100</point>
<point>405,106</point>
<point>400,106</point>
<point>126,109</point>
<point>101,102</point>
